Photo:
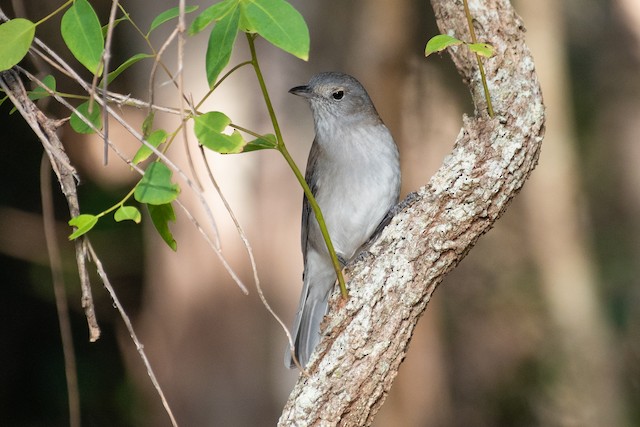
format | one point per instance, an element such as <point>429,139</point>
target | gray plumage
<point>353,171</point>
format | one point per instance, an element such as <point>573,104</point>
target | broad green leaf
<point>155,187</point>
<point>126,64</point>
<point>130,213</point>
<point>82,34</point>
<point>210,14</point>
<point>83,223</point>
<point>39,92</point>
<point>439,43</point>
<point>16,36</point>
<point>279,23</point>
<point>168,15</point>
<point>482,49</point>
<point>221,44</point>
<point>155,138</point>
<point>262,143</point>
<point>160,216</point>
<point>95,117</point>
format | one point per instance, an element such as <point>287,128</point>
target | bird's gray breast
<point>359,182</point>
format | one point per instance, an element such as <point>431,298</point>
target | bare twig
<point>247,246</point>
<point>60,293</point>
<point>139,347</point>
<point>106,58</point>
<point>46,132</point>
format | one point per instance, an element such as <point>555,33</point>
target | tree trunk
<point>365,338</point>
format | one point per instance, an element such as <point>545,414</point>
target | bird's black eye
<point>338,95</point>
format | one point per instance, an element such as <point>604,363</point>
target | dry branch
<point>365,339</point>
<point>46,130</point>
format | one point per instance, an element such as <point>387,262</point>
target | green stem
<point>215,86</point>
<point>480,66</point>
<point>296,171</point>
<point>54,12</point>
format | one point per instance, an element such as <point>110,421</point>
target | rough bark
<point>366,338</point>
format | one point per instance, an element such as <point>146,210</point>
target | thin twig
<point>70,368</point>
<point>247,246</point>
<point>106,59</point>
<point>139,347</point>
<point>46,132</point>
<point>180,75</point>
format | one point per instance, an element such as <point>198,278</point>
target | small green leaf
<point>82,34</point>
<point>130,213</point>
<point>83,223</point>
<point>210,14</point>
<point>208,128</point>
<point>168,15</point>
<point>126,64</point>
<point>160,216</point>
<point>147,124</point>
<point>439,43</point>
<point>220,45</point>
<point>262,143</point>
<point>155,187</point>
<point>95,117</point>
<point>482,49</point>
<point>39,92</point>
<point>279,23</point>
<point>155,138</point>
<point>16,35</point>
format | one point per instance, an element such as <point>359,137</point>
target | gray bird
<point>353,171</point>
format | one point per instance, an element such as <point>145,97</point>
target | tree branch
<point>46,129</point>
<point>365,339</point>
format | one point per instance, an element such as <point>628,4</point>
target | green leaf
<point>84,223</point>
<point>262,143</point>
<point>208,128</point>
<point>439,43</point>
<point>155,138</point>
<point>147,124</point>
<point>39,92</point>
<point>160,216</point>
<point>16,35</point>
<point>168,15</point>
<point>126,64</point>
<point>95,117</point>
<point>221,44</point>
<point>224,144</point>
<point>482,49</point>
<point>130,213</point>
<point>155,187</point>
<point>279,23</point>
<point>82,34</point>
<point>210,14</point>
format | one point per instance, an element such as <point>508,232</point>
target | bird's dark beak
<point>303,91</point>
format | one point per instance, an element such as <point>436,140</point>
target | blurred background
<point>539,325</point>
